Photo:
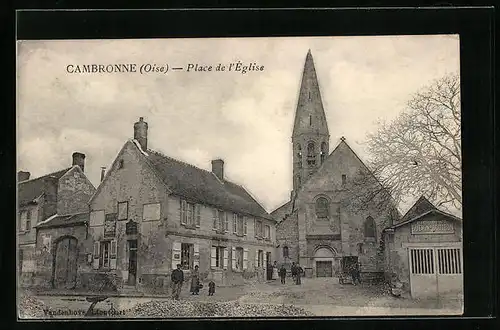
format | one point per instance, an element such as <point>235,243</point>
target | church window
<point>310,120</point>
<point>311,155</point>
<point>322,209</point>
<point>369,227</point>
<point>285,252</point>
<point>323,152</point>
<point>344,179</point>
<point>299,180</point>
<point>309,96</point>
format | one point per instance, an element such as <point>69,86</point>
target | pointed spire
<point>310,115</point>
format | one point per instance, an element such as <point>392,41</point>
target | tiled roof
<point>286,208</point>
<point>30,190</point>
<point>64,220</point>
<point>420,216</point>
<point>203,186</point>
<point>421,206</point>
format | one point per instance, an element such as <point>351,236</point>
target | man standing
<point>282,274</point>
<point>298,274</point>
<point>294,271</point>
<point>177,278</point>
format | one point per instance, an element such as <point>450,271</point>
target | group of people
<point>296,272</point>
<point>273,272</point>
<point>177,279</point>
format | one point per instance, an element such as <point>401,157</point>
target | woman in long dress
<point>195,281</point>
<point>275,271</point>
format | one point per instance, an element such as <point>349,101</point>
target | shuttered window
<point>198,215</point>
<point>105,255</point>
<point>237,258</point>
<point>215,218</point>
<point>187,255</point>
<point>245,259</point>
<point>235,223</point>
<point>112,254</point>
<point>219,257</point>
<point>267,233</point>
<point>183,211</point>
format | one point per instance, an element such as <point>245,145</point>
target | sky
<point>245,119</point>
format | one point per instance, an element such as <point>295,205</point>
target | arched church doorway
<point>65,263</point>
<point>325,262</point>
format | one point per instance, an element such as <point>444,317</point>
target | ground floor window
<point>285,252</point>
<point>219,257</point>
<point>186,256</point>
<point>260,258</point>
<point>105,249</point>
<point>239,258</point>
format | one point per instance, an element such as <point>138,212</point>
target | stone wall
<point>74,192</point>
<point>46,247</point>
<point>287,234</point>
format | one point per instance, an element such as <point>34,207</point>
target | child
<point>211,288</point>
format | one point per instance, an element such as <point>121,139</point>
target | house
<point>424,251</point>
<point>42,202</point>
<point>327,219</point>
<point>152,212</point>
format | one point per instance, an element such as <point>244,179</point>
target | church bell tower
<point>310,137</point>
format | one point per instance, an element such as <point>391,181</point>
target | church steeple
<point>310,136</point>
<point>310,116</point>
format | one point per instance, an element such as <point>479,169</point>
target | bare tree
<point>419,153</point>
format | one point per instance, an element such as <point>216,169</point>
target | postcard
<point>239,177</point>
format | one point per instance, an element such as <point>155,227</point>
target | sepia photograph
<point>239,177</point>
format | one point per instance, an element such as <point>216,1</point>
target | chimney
<point>103,172</point>
<point>23,176</point>
<point>79,159</point>
<point>218,168</point>
<point>141,133</point>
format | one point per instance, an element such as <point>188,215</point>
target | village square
<point>158,234</point>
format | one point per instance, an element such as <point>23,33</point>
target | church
<point>337,208</point>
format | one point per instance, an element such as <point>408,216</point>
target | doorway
<point>132,262</point>
<point>435,271</point>
<point>269,268</point>
<point>324,269</point>
<point>65,263</point>
<point>324,261</point>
